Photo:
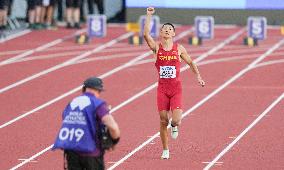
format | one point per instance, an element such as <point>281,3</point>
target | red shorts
<point>169,96</point>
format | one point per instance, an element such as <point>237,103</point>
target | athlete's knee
<point>176,118</point>
<point>175,122</point>
<point>164,119</point>
<point>164,122</point>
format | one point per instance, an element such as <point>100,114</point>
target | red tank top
<point>168,64</point>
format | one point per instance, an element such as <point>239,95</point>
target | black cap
<point>94,83</point>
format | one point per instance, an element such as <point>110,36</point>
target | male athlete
<point>168,56</point>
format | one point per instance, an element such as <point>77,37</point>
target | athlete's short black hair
<point>170,25</point>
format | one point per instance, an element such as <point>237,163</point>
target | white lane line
<point>121,55</point>
<point>31,158</point>
<point>117,52</point>
<point>12,52</point>
<point>68,62</point>
<point>221,45</point>
<point>108,57</point>
<point>26,159</point>
<point>54,49</point>
<point>50,56</point>
<point>202,101</point>
<point>242,51</point>
<point>239,46</point>
<point>268,52</point>
<point>244,132</point>
<point>220,163</point>
<point>269,63</point>
<point>76,49</point>
<point>227,59</point>
<point>71,48</point>
<point>123,66</point>
<point>274,27</point>
<point>79,88</point>
<point>71,91</point>
<point>134,151</point>
<point>258,115</point>
<point>110,162</point>
<point>141,93</point>
<point>113,49</point>
<point>129,48</point>
<point>45,46</point>
<point>210,61</point>
<point>95,58</point>
<point>10,37</point>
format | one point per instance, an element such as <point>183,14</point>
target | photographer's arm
<point>111,124</point>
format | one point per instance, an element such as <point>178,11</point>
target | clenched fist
<point>150,10</point>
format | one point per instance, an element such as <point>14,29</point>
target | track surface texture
<point>235,122</point>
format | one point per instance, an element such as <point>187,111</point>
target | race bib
<point>168,72</point>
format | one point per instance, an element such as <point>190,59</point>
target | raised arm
<point>184,55</point>
<point>147,36</point>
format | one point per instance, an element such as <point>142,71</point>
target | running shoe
<point>174,132</point>
<point>165,154</point>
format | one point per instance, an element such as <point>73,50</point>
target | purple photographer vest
<point>78,130</point>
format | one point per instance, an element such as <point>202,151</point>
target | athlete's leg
<point>176,105</point>
<point>163,107</point>
<point>164,121</point>
<point>176,117</point>
<point>49,17</point>
<point>3,14</point>
<point>69,12</point>
<point>38,5</point>
<point>76,13</point>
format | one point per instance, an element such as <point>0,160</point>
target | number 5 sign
<point>257,27</point>
<point>204,27</point>
<point>97,25</point>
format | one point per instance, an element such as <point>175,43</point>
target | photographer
<point>81,135</point>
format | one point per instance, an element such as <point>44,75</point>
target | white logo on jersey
<point>81,101</point>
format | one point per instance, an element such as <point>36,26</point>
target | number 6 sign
<point>204,27</point>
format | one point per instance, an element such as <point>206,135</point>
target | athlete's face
<point>167,31</point>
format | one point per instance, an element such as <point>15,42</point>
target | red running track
<point>203,134</point>
<point>32,40</point>
<point>67,78</point>
<point>24,69</point>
